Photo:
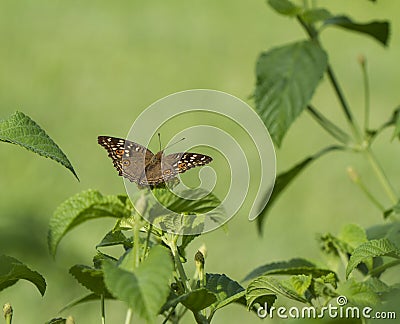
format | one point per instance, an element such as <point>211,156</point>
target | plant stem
<point>366,93</point>
<point>146,244</point>
<point>381,175</point>
<point>343,102</point>
<point>357,180</point>
<point>170,240</point>
<point>128,317</point>
<point>329,126</point>
<point>103,310</point>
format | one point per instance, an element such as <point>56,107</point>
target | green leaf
<point>12,270</point>
<point>358,293</point>
<point>287,77</point>
<point>185,215</point>
<point>195,201</point>
<point>113,238</point>
<point>19,129</point>
<point>226,290</point>
<point>84,299</point>
<point>371,249</point>
<point>185,240</point>
<point>146,288</point>
<point>284,7</point>
<point>198,299</point>
<point>285,178</point>
<point>390,231</point>
<point>266,285</point>
<point>315,15</point>
<point>257,293</point>
<point>379,30</point>
<point>90,278</point>
<point>301,283</point>
<point>353,235</point>
<point>395,210</point>
<point>80,208</point>
<point>292,267</point>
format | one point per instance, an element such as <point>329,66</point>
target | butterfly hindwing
<point>182,162</point>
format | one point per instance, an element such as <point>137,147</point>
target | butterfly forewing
<point>138,164</point>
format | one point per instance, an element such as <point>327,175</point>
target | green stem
<point>357,180</point>
<point>179,267</point>
<point>170,240</point>
<point>366,94</point>
<point>343,102</point>
<point>146,244</point>
<point>128,317</point>
<point>103,310</point>
<point>136,240</point>
<point>381,175</point>
<point>328,126</point>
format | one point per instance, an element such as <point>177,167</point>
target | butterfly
<point>138,164</point>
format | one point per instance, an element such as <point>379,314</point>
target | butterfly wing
<point>129,158</point>
<point>181,162</point>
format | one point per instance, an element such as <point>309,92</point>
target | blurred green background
<point>88,68</point>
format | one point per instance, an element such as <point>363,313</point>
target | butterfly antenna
<point>159,140</point>
<point>182,139</point>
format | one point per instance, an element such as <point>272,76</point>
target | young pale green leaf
<point>286,80</point>
<point>284,7</point>
<point>300,283</point>
<point>226,290</point>
<point>371,249</point>
<point>358,293</point>
<point>21,130</point>
<point>145,289</point>
<point>353,234</point>
<point>285,178</point>
<point>82,207</point>
<point>330,244</point>
<point>292,267</point>
<point>379,30</point>
<point>90,278</point>
<point>12,270</point>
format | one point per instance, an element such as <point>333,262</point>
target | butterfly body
<point>138,164</point>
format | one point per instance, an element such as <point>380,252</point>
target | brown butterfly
<point>138,164</point>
